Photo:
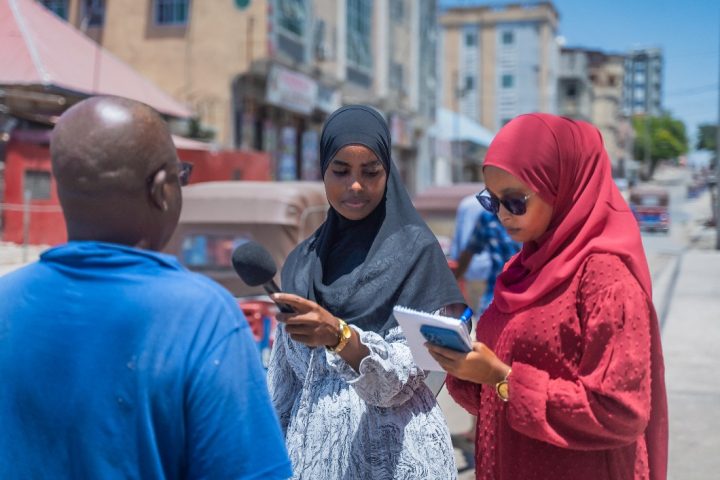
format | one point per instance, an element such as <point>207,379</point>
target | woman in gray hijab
<point>351,401</point>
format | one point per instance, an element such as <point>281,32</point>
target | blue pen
<point>466,318</point>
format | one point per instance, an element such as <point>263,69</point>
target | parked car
<point>218,216</point>
<point>650,207</point>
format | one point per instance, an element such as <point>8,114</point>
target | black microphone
<point>256,267</point>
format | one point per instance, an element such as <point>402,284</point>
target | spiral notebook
<point>411,320</point>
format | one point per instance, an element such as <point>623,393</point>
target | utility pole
<point>459,89</point>
<point>717,165</point>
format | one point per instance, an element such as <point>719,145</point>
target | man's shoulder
<point>197,285</point>
<point>20,276</point>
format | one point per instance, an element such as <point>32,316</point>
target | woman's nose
<point>355,185</point>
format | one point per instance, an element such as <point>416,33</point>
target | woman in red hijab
<point>566,377</point>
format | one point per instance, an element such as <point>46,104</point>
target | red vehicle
<point>650,207</point>
<point>217,216</point>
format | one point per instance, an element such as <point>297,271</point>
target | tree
<point>707,137</point>
<point>659,138</point>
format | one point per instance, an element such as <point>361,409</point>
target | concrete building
<point>575,90</point>
<point>500,60</point>
<point>264,74</point>
<point>590,88</point>
<point>643,82</point>
<point>607,72</point>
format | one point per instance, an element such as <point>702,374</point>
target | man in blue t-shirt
<point>488,236</point>
<point>115,361</point>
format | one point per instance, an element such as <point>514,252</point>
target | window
<point>58,7</point>
<point>571,90</point>
<point>359,15</point>
<point>469,83</point>
<point>470,39</point>
<point>396,76</point>
<point>507,81</point>
<point>37,182</point>
<point>93,12</point>
<point>292,16</point>
<point>171,12</point>
<point>210,251</point>
<point>397,10</point>
<point>508,38</point>
<point>612,80</point>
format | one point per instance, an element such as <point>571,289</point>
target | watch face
<point>346,333</point>
<point>502,390</point>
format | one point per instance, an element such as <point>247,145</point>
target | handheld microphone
<point>255,266</point>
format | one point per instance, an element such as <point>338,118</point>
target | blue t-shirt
<point>468,214</point>
<point>490,236</point>
<point>117,362</point>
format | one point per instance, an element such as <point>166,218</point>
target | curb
<point>664,288</point>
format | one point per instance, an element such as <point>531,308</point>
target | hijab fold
<point>359,270</point>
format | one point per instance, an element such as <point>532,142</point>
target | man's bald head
<point>106,155</point>
<point>108,144</point>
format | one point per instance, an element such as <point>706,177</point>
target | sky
<point>688,31</point>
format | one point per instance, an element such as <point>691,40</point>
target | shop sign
<point>287,165</point>
<point>310,156</point>
<point>291,90</point>
<point>400,131</point>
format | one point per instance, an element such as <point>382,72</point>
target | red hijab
<point>564,162</point>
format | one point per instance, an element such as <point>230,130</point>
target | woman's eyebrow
<point>370,163</point>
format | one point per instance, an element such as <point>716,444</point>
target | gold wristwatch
<point>501,388</point>
<point>344,334</point>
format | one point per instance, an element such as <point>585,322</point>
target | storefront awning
<point>454,127</point>
<point>39,49</point>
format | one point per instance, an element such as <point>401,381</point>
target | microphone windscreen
<point>253,263</point>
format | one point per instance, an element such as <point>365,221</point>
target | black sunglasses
<point>515,203</point>
<point>184,172</point>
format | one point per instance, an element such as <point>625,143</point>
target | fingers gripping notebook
<point>421,327</point>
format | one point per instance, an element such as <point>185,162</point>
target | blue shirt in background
<point>467,216</point>
<point>117,362</point>
<point>490,236</point>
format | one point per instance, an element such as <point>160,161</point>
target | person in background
<point>478,269</point>
<point>566,377</point>
<point>488,236</point>
<point>352,402</point>
<point>116,362</point>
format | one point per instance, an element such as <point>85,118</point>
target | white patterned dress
<point>380,424</point>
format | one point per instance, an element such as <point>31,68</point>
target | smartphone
<point>444,337</point>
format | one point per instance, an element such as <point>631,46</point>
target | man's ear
<point>157,190</point>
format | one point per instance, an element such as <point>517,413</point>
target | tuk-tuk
<point>217,216</point>
<point>650,207</point>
